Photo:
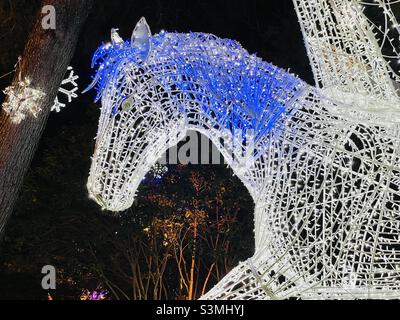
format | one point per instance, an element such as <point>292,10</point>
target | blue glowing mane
<point>252,91</point>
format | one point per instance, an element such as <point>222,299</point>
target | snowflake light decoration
<point>22,100</point>
<point>69,90</point>
<point>325,167</point>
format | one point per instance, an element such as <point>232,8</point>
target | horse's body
<point>324,180</point>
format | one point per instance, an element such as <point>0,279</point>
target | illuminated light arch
<point>322,164</point>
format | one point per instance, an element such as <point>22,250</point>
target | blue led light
<point>238,89</point>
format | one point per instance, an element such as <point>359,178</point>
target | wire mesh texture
<point>322,164</point>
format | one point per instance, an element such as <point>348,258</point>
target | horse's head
<point>155,88</point>
<point>137,116</point>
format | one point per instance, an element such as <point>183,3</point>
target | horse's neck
<point>237,154</point>
<point>225,93</point>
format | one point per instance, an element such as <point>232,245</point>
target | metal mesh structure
<point>351,55</point>
<point>322,164</point>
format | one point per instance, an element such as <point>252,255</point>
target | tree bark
<point>44,61</point>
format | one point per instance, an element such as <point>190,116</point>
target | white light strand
<point>348,52</point>
<point>68,91</point>
<point>22,100</point>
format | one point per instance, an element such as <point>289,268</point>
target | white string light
<point>22,100</point>
<point>68,88</point>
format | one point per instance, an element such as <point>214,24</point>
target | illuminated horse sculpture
<point>324,174</point>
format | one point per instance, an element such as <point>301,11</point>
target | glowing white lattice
<point>324,170</point>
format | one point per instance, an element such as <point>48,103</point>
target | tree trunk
<point>44,61</point>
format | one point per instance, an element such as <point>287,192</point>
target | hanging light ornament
<point>22,100</point>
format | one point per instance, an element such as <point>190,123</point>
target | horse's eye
<point>127,104</point>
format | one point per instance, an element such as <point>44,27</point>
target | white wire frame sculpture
<point>323,165</point>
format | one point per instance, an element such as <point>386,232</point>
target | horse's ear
<point>141,38</point>
<point>115,38</point>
